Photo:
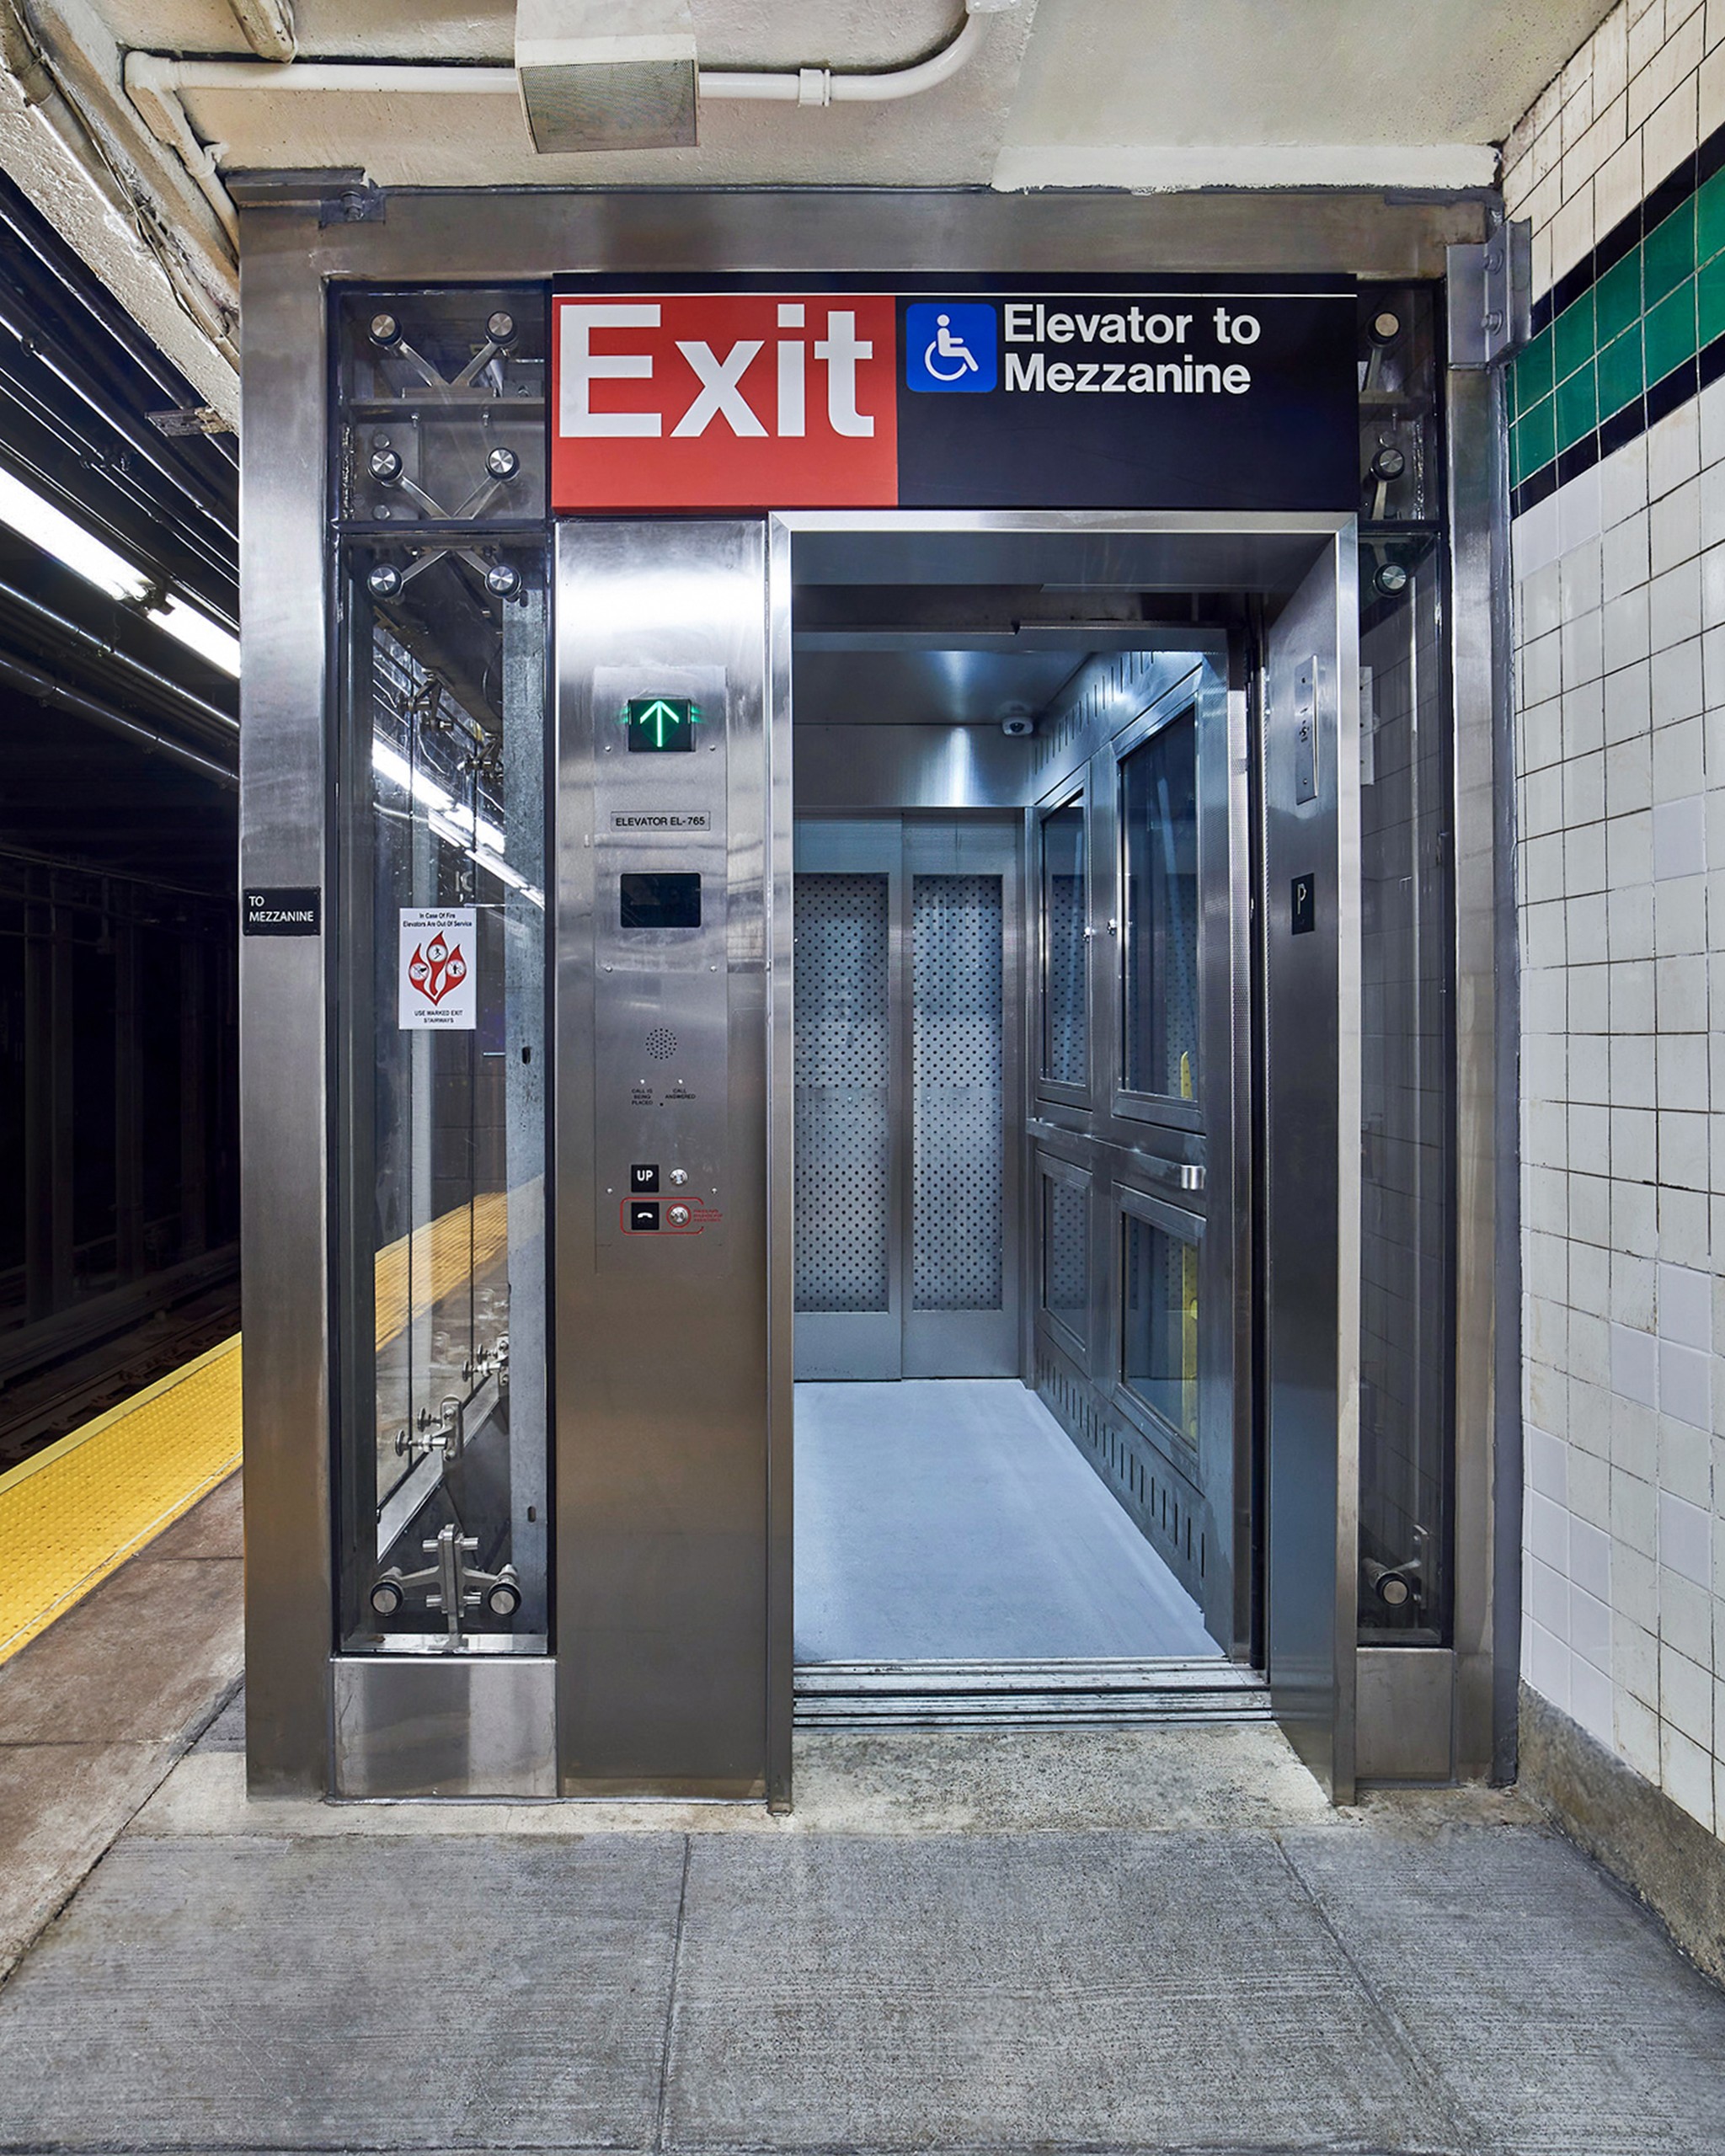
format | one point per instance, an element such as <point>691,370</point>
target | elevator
<point>973,910</point>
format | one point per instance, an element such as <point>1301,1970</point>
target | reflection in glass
<point>1065,1044</point>
<point>1065,1254</point>
<point>445,1510</point>
<point>1159,1336</point>
<point>1159,826</point>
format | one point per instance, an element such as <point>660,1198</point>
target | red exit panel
<point>735,400</point>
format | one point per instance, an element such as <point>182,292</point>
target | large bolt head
<point>384,581</point>
<point>385,330</point>
<point>503,580</point>
<point>500,328</point>
<point>386,466</point>
<point>503,463</point>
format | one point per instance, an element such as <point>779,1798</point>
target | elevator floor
<point>953,1519</point>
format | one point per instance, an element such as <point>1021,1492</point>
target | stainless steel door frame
<point>1311,1168</point>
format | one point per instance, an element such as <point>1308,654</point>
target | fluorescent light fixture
<point>198,634</point>
<point>37,520</point>
<point>50,529</point>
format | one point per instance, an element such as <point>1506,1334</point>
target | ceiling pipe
<point>154,82</point>
<point>43,689</point>
<point>153,86</point>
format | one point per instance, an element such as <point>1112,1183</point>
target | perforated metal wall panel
<point>958,1058</point>
<point>843,1069</point>
<point>1065,1252</point>
<point>1065,1046</point>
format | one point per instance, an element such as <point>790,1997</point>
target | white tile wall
<point>1620,583</point>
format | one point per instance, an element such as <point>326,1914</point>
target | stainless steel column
<point>286,1178</point>
<point>661,1366</point>
<point>1311,942</point>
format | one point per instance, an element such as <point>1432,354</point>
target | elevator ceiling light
<point>199,633</point>
<point>38,521</point>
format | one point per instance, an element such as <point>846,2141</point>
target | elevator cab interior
<point>950,1286</point>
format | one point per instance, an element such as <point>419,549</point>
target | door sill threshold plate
<point>1032,1693</point>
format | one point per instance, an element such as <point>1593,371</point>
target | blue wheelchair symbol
<point>952,345</point>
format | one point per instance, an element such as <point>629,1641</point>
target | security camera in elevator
<point>1017,721</point>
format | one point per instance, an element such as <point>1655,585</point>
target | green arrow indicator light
<point>660,725</point>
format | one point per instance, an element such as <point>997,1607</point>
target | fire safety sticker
<point>437,969</point>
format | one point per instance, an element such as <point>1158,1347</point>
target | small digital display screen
<point>659,900</point>
<point>660,726</point>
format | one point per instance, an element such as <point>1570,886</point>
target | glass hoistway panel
<point>442,1453</point>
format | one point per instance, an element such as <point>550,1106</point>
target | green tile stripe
<point>1647,315</point>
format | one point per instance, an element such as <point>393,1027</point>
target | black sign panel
<point>1130,395</point>
<point>282,909</point>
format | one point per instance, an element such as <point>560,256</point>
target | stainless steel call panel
<point>660,1017</point>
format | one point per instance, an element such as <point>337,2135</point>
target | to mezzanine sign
<point>1150,394</point>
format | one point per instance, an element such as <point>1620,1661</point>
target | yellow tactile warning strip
<point>71,1514</point>
<point>432,1262</point>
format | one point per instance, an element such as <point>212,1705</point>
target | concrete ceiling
<point>1145,93</point>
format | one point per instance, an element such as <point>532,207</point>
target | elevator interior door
<point>907,1184</point>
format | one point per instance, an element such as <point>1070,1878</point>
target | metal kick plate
<point>660,993</point>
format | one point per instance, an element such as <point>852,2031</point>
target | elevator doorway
<point>1006,1106</point>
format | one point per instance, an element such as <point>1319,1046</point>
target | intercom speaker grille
<point>661,1043</point>
<point>843,1069</point>
<point>958,1059</point>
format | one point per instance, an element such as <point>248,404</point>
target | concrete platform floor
<point>95,1710</point>
<point>1091,1939</point>
<point>953,1519</point>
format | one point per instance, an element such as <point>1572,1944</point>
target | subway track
<point>47,1404</point>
